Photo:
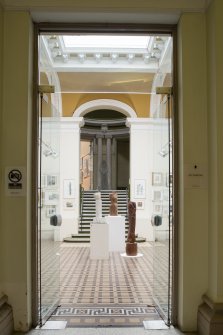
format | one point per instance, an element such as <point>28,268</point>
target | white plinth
<point>116,225</point>
<point>99,241</point>
<point>57,234</point>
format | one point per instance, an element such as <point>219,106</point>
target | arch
<point>105,104</point>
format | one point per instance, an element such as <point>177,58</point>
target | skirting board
<point>210,317</point>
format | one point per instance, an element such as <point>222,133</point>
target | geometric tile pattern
<point>95,316</point>
<point>117,291</point>
<point>116,280</point>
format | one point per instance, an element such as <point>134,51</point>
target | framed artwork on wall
<point>51,180</point>
<point>140,204</point>
<point>157,208</point>
<point>68,204</point>
<point>51,197</point>
<point>157,195</point>
<point>68,188</point>
<point>50,210</point>
<point>157,179</point>
<point>140,189</point>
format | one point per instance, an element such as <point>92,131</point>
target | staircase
<point>88,212</point>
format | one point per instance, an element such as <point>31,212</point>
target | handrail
<point>81,205</point>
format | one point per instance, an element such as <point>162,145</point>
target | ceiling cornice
<point>116,5</point>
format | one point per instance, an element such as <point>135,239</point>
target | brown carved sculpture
<point>131,245</point>
<point>113,211</point>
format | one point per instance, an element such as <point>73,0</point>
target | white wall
<point>70,170</point>
<point>146,140</point>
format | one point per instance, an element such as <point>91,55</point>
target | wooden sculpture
<point>131,245</point>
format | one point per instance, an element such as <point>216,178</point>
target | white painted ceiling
<point>89,65</point>
<point>135,76</point>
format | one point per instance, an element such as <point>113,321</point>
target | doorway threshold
<point>155,325</point>
<point>53,325</point>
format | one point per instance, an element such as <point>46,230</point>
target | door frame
<point>111,28</point>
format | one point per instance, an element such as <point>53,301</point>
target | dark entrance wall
<point>122,164</point>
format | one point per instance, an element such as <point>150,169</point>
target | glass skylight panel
<point>109,42</point>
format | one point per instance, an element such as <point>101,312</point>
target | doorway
<point>143,162</point>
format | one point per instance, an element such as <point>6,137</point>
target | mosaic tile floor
<point>114,292</point>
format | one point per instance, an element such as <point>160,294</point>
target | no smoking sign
<point>15,178</point>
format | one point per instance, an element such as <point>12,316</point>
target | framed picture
<point>157,195</point>
<point>157,208</point>
<point>50,210</point>
<point>68,188</point>
<point>157,179</point>
<point>140,204</point>
<point>51,180</point>
<point>140,188</point>
<point>68,204</point>
<point>51,197</point>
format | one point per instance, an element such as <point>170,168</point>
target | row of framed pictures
<point>52,209</point>
<point>161,179</point>
<point>158,179</point>
<point>51,182</point>
<point>159,208</point>
<point>49,197</point>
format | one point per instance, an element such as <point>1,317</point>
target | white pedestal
<point>116,228</point>
<point>99,241</point>
<point>57,234</point>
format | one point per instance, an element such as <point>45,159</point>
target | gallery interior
<point>111,106</point>
<point>92,129</point>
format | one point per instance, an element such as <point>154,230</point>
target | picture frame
<point>157,179</point>
<point>68,188</point>
<point>68,204</point>
<point>157,195</point>
<point>51,180</point>
<point>140,204</point>
<point>140,189</point>
<point>51,197</point>
<point>157,208</point>
<point>51,210</point>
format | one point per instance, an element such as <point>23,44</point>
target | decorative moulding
<point>210,317</point>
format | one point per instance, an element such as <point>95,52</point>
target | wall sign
<point>195,176</point>
<point>15,178</point>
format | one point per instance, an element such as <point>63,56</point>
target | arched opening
<point>104,153</point>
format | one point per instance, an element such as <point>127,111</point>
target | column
<point>99,140</point>
<point>114,163</point>
<point>108,158</point>
<point>95,163</point>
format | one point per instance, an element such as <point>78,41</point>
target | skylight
<point>110,42</point>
